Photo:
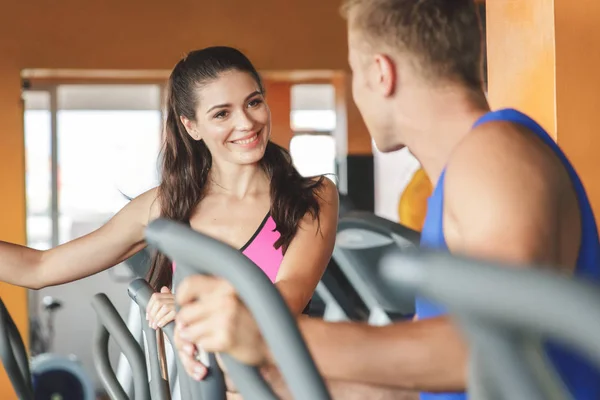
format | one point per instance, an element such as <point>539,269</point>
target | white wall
<point>393,171</point>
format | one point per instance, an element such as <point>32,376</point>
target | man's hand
<point>212,318</point>
<point>188,354</point>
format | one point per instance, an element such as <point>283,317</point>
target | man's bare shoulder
<point>503,154</point>
<point>503,189</point>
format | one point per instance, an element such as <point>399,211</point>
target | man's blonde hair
<point>443,36</point>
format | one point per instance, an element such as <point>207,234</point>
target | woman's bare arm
<point>121,237</point>
<point>309,252</point>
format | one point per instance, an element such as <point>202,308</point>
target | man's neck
<point>436,123</point>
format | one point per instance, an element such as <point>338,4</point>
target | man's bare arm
<point>426,355</point>
<point>339,390</point>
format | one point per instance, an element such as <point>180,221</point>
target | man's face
<point>369,92</point>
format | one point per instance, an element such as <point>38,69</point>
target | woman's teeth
<point>246,141</point>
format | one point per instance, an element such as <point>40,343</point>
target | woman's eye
<point>221,114</point>
<point>254,103</point>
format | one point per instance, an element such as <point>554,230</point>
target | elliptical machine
<point>55,376</point>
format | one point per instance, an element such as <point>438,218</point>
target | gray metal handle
<point>212,387</point>
<point>140,292</point>
<point>501,309</point>
<point>505,365</point>
<point>196,253</point>
<point>14,355</point>
<point>533,300</point>
<point>110,323</point>
<point>102,363</point>
<point>159,386</point>
<point>372,222</point>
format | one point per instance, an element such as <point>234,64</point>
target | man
<point>503,191</point>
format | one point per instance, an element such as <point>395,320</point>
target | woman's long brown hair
<point>186,162</point>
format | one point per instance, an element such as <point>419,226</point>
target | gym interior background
<point>80,107</point>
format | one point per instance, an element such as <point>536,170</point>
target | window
<point>314,154</point>
<point>313,108</point>
<point>87,148</point>
<point>37,124</point>
<point>313,118</point>
<point>107,144</point>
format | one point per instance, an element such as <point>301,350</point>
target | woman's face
<point>232,118</point>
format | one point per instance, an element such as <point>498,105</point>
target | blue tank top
<point>580,377</point>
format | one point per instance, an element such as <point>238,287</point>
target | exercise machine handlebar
<point>196,253</point>
<point>212,387</point>
<point>505,310</point>
<point>111,324</point>
<point>14,355</point>
<point>532,299</point>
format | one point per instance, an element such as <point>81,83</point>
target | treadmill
<point>362,239</point>
<point>504,323</point>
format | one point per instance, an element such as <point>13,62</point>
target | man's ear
<point>384,75</point>
<point>190,127</point>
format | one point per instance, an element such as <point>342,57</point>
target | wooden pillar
<point>521,58</point>
<point>543,60</point>
<point>577,87</point>
<point>279,99</point>
<point>12,188</point>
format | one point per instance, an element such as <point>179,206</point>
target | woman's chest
<point>231,223</point>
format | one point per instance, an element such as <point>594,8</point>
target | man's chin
<point>388,147</point>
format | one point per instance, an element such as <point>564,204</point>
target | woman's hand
<point>161,308</point>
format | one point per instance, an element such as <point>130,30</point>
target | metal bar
<point>109,317</point>
<point>14,355</point>
<point>54,201</point>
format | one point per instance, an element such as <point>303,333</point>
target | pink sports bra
<point>261,251</point>
<point>260,248</point>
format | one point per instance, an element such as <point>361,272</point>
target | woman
<point>220,174</point>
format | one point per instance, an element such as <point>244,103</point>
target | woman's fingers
<point>159,307</point>
<point>165,319</point>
